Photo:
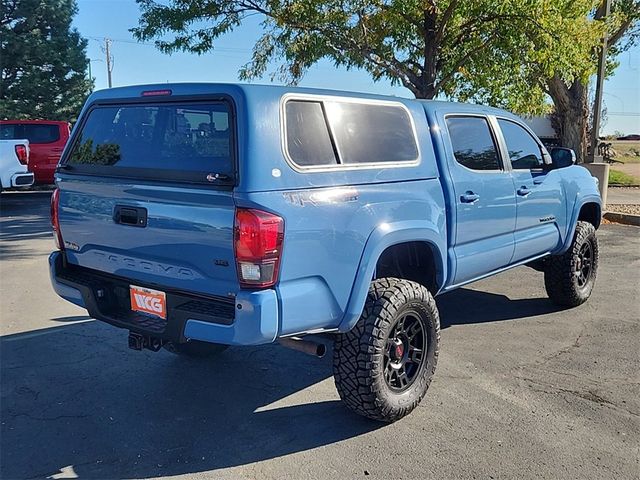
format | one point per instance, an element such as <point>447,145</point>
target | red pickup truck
<point>46,142</point>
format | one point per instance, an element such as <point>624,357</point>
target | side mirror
<point>562,157</point>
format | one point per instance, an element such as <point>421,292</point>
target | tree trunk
<point>571,114</point>
<point>426,92</point>
<point>429,67</point>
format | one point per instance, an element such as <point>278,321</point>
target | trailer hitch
<point>138,341</point>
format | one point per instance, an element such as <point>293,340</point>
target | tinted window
<point>179,141</point>
<point>8,132</point>
<point>35,133</point>
<point>359,133</point>
<point>524,151</point>
<point>308,140</point>
<point>472,142</point>
<point>366,133</point>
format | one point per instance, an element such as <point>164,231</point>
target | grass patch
<point>620,178</point>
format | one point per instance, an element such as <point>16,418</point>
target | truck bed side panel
<point>326,233</point>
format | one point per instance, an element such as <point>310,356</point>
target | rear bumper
<point>22,180</point>
<point>43,176</point>
<point>250,319</point>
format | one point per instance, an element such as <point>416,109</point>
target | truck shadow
<point>465,306</point>
<point>75,399</point>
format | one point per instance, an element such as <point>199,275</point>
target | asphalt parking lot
<point>522,389</point>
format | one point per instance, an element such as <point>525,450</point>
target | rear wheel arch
<point>391,239</point>
<point>417,261</point>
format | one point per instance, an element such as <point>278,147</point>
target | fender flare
<point>577,206</point>
<point>383,237</point>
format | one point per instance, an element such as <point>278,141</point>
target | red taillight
<point>155,93</point>
<point>22,154</point>
<point>55,221</point>
<point>258,239</point>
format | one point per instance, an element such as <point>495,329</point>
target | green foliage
<point>511,53</point>
<point>568,86</point>
<point>42,60</point>
<point>482,50</point>
<point>623,26</point>
<point>560,47</point>
<point>102,154</point>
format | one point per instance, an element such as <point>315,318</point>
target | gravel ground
<point>624,208</point>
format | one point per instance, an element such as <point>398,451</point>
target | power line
<point>148,44</point>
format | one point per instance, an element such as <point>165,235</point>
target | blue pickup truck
<point>198,216</point>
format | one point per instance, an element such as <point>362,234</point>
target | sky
<point>136,63</point>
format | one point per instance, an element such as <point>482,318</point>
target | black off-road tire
<point>564,278</point>
<point>359,355</point>
<point>196,349</point>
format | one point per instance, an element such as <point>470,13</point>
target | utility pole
<point>91,79</point>
<point>597,104</point>
<point>107,49</point>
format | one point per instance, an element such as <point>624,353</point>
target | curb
<point>624,218</point>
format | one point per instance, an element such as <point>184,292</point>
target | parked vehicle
<point>14,157</point>
<point>198,216</point>
<point>46,139</point>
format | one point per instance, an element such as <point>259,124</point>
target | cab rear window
<point>182,142</point>
<point>34,132</point>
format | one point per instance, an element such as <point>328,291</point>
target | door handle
<point>538,181</point>
<point>134,216</point>
<point>523,191</point>
<point>469,197</point>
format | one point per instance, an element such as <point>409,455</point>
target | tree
<point>42,60</point>
<point>569,88</point>
<point>432,47</point>
<point>514,54</point>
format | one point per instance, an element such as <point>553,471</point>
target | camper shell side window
<point>322,133</point>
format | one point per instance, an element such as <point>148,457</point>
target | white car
<point>14,158</point>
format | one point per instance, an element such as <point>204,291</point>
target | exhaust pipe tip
<point>314,349</point>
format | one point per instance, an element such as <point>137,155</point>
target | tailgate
<point>146,193</point>
<point>186,242</point>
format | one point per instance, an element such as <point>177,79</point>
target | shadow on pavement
<point>23,216</point>
<point>74,318</point>
<point>465,306</point>
<point>76,396</point>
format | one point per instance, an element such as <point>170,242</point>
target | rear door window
<point>183,142</point>
<point>35,133</point>
<point>472,142</point>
